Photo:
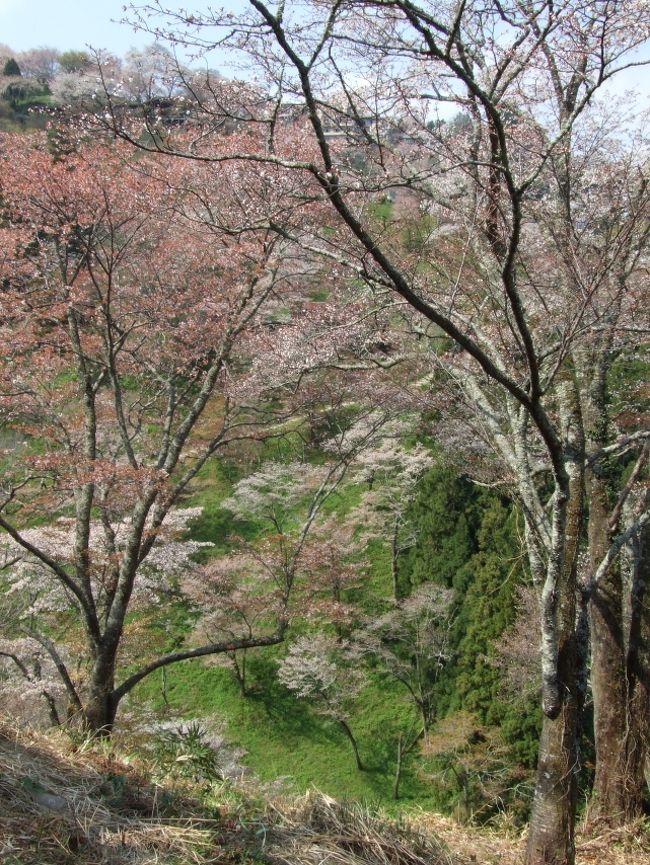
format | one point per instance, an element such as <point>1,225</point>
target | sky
<point>76,24</point>
<point>68,24</point>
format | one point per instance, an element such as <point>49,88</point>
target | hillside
<point>325,439</point>
<point>91,805</point>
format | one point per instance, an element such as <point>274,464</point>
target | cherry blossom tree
<point>392,474</point>
<point>333,563</point>
<point>40,63</point>
<point>602,262</point>
<point>237,597</point>
<point>325,671</point>
<point>38,612</point>
<point>410,643</point>
<point>373,82</point>
<point>256,582</point>
<point>124,306</point>
<point>297,557</point>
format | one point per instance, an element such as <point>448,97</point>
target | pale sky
<point>68,24</point>
<point>75,24</point>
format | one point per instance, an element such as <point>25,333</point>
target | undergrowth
<point>92,806</point>
<point>65,802</point>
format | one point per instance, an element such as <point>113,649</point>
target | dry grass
<point>603,845</point>
<point>62,806</point>
<point>470,844</point>
<point>320,830</point>
<point>59,806</point>
<point>628,845</point>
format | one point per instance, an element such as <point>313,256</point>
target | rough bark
<point>636,619</point>
<point>551,838</point>
<point>100,706</point>
<point>607,669</point>
<point>617,625</point>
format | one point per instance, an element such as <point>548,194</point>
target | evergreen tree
<point>444,517</point>
<point>467,539</point>
<point>488,609</point>
<point>11,68</point>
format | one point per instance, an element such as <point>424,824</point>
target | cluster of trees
<point>47,77</point>
<point>41,76</point>
<point>43,64</point>
<point>159,300</point>
<point>532,267</point>
<point>118,349</point>
<point>134,307</point>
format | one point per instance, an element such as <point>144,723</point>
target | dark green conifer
<point>11,68</point>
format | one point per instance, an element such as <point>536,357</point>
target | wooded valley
<point>324,406</point>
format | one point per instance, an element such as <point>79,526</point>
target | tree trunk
<point>551,839</point>
<point>100,705</point>
<point>394,552</point>
<point>398,767</point>
<point>636,619</point>
<point>605,605</point>
<point>607,670</point>
<point>55,718</point>
<point>348,732</point>
<point>551,836</point>
<point>621,685</point>
<point>619,633</point>
<point>239,664</point>
<point>99,714</point>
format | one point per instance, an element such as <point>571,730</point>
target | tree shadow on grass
<point>219,526</point>
<point>290,716</point>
